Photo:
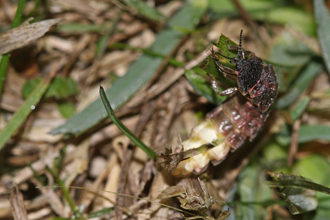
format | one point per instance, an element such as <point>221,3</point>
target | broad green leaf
<point>59,88</point>
<point>138,74</point>
<point>306,133</point>
<point>144,9</point>
<point>24,111</point>
<point>67,109</point>
<point>29,86</point>
<point>323,30</point>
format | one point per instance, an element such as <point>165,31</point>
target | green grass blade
<point>323,30</point>
<point>64,190</point>
<point>305,78</point>
<point>139,73</point>
<point>24,111</point>
<point>101,213</point>
<point>144,9</point>
<point>122,127</point>
<point>5,58</point>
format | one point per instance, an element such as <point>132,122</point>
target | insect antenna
<point>240,51</point>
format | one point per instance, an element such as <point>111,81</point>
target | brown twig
<point>294,142</point>
<point>248,19</point>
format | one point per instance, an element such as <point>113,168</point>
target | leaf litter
<point>162,114</point>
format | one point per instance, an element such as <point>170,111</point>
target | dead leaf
<point>24,34</point>
<point>17,204</point>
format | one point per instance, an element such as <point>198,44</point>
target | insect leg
<point>223,93</point>
<point>229,91</point>
<point>227,72</point>
<point>231,47</point>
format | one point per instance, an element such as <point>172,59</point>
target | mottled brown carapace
<point>239,118</point>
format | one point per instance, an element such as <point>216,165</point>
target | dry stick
<point>79,46</point>
<point>95,191</point>
<point>123,180</point>
<point>166,60</point>
<point>247,18</point>
<point>17,204</point>
<point>162,86</point>
<point>310,42</point>
<point>294,142</point>
<point>146,112</point>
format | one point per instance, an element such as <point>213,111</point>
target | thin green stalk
<point>122,127</point>
<point>103,42</point>
<point>21,114</point>
<point>5,58</point>
<point>64,189</point>
<point>304,184</point>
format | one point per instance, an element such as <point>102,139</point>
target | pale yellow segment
<point>202,134</point>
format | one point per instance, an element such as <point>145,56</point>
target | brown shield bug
<point>255,79</point>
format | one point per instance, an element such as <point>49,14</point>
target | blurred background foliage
<point>130,45</point>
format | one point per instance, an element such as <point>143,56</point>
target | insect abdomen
<point>226,127</point>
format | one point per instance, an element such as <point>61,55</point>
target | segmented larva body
<point>227,127</point>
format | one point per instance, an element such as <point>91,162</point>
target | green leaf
<point>212,68</point>
<point>323,31</point>
<point>306,133</point>
<point>81,28</point>
<point>23,112</point>
<point>279,12</point>
<point>285,75</point>
<point>198,80</point>
<point>29,86</point>
<point>273,152</point>
<point>314,167</point>
<point>137,75</point>
<point>59,88</point>
<point>314,132</point>
<point>5,57</point>
<point>144,9</point>
<point>101,213</point>
<point>296,191</point>
<point>67,109</point>
<point>299,108</point>
<point>251,189</point>
<point>289,51</point>
<point>123,128</point>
